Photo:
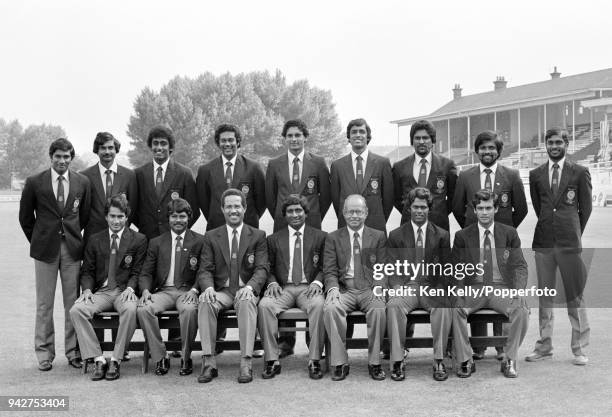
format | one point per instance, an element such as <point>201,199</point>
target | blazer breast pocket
<point>569,196</point>
<point>373,187</point>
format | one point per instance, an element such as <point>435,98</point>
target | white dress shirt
<point>170,280</point>
<point>481,237</point>
<point>113,169</point>
<point>550,169</point>
<point>364,159</point>
<point>291,157</point>
<point>292,239</point>
<point>350,273</point>
<point>415,229</point>
<point>416,168</point>
<point>55,183</point>
<point>483,175</point>
<point>110,236</point>
<point>225,161</point>
<point>164,168</point>
<point>230,236</point>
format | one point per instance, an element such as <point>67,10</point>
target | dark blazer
<point>401,245</point>
<point>509,255</point>
<point>124,183</point>
<point>151,216</point>
<point>159,256</point>
<point>441,183</point>
<point>561,218</point>
<point>248,177</point>
<point>314,186</point>
<point>339,250</point>
<point>252,258</point>
<point>42,222</point>
<point>377,188</point>
<point>508,187</point>
<point>130,257</point>
<point>312,260</point>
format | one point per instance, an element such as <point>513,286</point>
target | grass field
<point>550,388</point>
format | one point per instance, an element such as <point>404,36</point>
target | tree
<point>10,133</point>
<point>258,103</point>
<point>31,151</point>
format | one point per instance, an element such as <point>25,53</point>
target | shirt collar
<point>55,175</point>
<point>481,230</point>
<point>292,156</point>
<point>428,158</point>
<point>113,168</point>
<point>560,163</point>
<point>233,160</point>
<point>119,234</point>
<point>352,232</point>
<point>174,235</point>
<point>164,165</point>
<point>492,168</point>
<point>230,230</point>
<point>364,156</point>
<point>292,230</point>
<point>415,228</point>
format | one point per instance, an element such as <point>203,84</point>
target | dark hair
<point>295,123</point>
<point>61,144</point>
<point>292,200</point>
<point>226,127</point>
<point>557,131</point>
<point>423,125</point>
<point>486,136</point>
<point>118,201</point>
<point>359,122</point>
<point>233,191</point>
<point>160,132</point>
<point>102,138</point>
<point>179,205</point>
<point>484,195</point>
<point>419,192</point>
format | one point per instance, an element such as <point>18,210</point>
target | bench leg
<point>145,358</point>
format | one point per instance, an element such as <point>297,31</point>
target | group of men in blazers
<point>326,275</point>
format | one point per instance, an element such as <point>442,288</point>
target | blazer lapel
<point>500,179</point>
<point>307,169</point>
<point>186,249</point>
<point>500,245</point>
<point>370,163</point>
<point>435,164</point>
<point>48,193</point>
<point>104,246</point>
<point>238,171</point>
<point>566,173</point>
<point>224,242</point>
<point>349,174</point>
<point>71,200</point>
<point>99,186</point>
<point>475,180</point>
<point>245,238</point>
<point>168,179</point>
<point>165,256</point>
<point>474,243</point>
<point>126,241</point>
<point>345,247</point>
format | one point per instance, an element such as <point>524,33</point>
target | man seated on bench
<point>418,241</point>
<point>295,253</point>
<point>233,270</point>
<point>350,284</point>
<point>109,278</point>
<point>497,247</point>
<point>168,282</point>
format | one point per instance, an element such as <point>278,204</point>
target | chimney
<point>456,92</point>
<point>500,83</point>
<point>555,74</point>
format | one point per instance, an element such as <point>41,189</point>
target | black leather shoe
<point>99,371</point>
<point>218,347</point>
<point>246,374</point>
<point>376,372</point>
<point>340,372</point>
<point>76,363</point>
<point>439,371</point>
<point>385,354</point>
<point>314,370</point>
<point>176,354</point>
<point>398,373</point>
<point>126,356</point>
<point>509,369</point>
<point>208,374</point>
<point>162,367</point>
<point>284,352</point>
<point>45,366</point>
<point>478,355</point>
<point>466,369</point>
<point>186,367</point>
<point>270,369</point>
<point>113,371</point>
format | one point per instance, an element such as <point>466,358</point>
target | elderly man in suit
<point>425,169</point>
<point>365,173</point>
<point>496,248</point>
<point>503,181</point>
<point>419,241</point>
<point>107,179</point>
<point>233,270</point>
<point>53,210</point>
<point>109,279</point>
<point>168,281</point>
<point>561,197</point>
<point>347,268</point>
<point>230,170</point>
<point>160,181</point>
<point>295,280</point>
<point>297,172</point>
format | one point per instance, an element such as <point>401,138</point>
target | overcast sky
<point>81,64</point>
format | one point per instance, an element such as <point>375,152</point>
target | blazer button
<point>554,209</point>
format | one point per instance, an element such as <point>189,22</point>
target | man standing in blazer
<point>365,173</point>
<point>419,241</point>
<point>109,278</point>
<point>349,255</point>
<point>497,248</point>
<point>168,281</point>
<point>107,179</point>
<point>297,172</point>
<point>425,169</point>
<point>160,181</point>
<point>230,170</point>
<point>561,196</point>
<point>233,270</point>
<point>505,182</point>
<point>53,210</point>
<point>296,280</point>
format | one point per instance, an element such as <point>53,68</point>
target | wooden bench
<point>297,320</point>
